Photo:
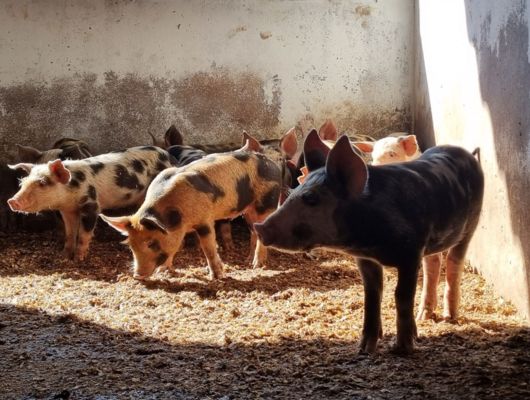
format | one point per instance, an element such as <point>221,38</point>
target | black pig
<point>384,215</point>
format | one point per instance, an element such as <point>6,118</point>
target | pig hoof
<point>69,254</point>
<point>367,350</point>
<point>368,345</point>
<point>79,257</point>
<point>139,277</point>
<point>450,319</point>
<point>217,273</point>
<point>402,349</point>
<point>218,276</point>
<point>425,315</point>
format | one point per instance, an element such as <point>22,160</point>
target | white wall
<point>473,89</point>
<point>351,60</point>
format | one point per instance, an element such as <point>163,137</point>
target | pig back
<point>215,187</point>
<point>435,201</point>
<point>119,178</point>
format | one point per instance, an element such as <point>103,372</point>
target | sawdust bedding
<point>89,331</point>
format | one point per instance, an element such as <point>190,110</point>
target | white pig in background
<point>397,147</point>
<point>81,189</point>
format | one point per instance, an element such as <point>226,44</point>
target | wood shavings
<point>289,331</point>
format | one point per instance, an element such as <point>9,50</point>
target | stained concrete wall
<point>472,88</point>
<point>108,72</point>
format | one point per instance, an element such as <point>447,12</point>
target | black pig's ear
<point>173,137</point>
<point>346,168</point>
<point>315,151</point>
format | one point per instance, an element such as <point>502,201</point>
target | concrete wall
<point>109,71</point>
<point>473,88</point>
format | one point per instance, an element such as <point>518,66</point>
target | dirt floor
<point>290,331</point>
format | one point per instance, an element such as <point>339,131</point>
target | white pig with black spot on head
<point>81,189</point>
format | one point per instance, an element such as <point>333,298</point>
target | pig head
<point>389,215</point>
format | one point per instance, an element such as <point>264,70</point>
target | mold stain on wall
<point>114,111</point>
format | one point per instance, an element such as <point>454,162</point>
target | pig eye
<point>310,198</point>
<point>154,245</point>
<point>393,154</point>
<point>44,182</point>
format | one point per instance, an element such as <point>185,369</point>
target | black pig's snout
<point>264,233</point>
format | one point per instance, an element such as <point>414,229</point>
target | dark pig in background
<point>64,149</point>
<point>384,215</point>
<point>192,198</point>
<point>81,189</point>
<point>172,137</point>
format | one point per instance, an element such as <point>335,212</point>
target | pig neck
<point>374,225</point>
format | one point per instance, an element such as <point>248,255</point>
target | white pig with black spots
<point>81,189</point>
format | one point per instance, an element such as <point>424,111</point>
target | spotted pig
<point>389,215</point>
<point>80,189</point>
<point>192,198</point>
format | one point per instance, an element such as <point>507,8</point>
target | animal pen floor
<point>89,331</point>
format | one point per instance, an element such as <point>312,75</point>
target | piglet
<point>396,147</point>
<point>390,215</point>
<point>64,148</point>
<point>192,198</point>
<point>81,189</point>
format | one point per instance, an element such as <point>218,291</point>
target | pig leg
<point>253,243</point>
<point>260,254</point>
<point>404,295</point>
<point>89,215</point>
<point>260,251</point>
<point>209,247</point>
<point>71,225</point>
<point>453,277</point>
<point>372,275</point>
<point>431,275</point>
<point>225,231</point>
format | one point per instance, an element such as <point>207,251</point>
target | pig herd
<point>383,202</point>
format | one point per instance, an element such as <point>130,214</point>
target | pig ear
<point>26,167</point>
<point>72,152</point>
<point>409,144</point>
<point>315,151</point>
<point>366,147</point>
<point>288,143</point>
<point>28,153</point>
<point>59,171</point>
<point>121,224</point>
<point>250,143</point>
<point>346,169</point>
<point>153,224</point>
<point>328,131</point>
<point>173,137</point>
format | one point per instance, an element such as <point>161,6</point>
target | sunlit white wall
<point>477,84</point>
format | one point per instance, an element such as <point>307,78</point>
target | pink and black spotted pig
<point>392,215</point>
<point>192,198</point>
<point>81,189</point>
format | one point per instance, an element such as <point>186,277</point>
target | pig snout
<point>16,204</point>
<point>265,233</point>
